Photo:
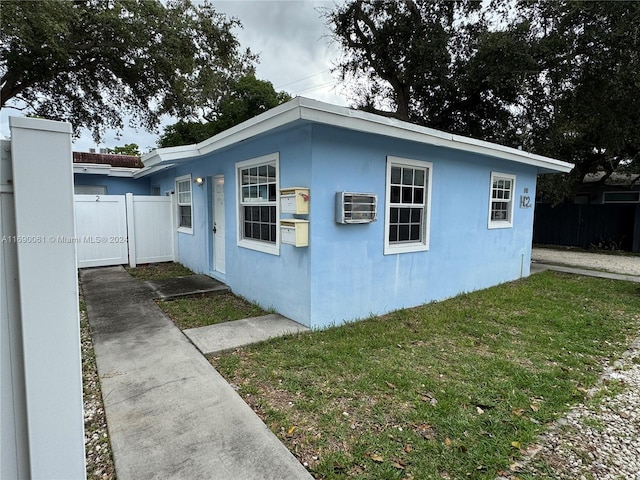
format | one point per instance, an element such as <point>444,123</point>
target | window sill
<point>405,248</point>
<point>186,230</point>
<point>270,248</point>
<point>495,225</point>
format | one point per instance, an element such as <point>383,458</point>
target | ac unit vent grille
<point>353,207</point>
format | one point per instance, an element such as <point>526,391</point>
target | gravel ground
<point>624,264</point>
<point>598,439</point>
<point>96,436</point>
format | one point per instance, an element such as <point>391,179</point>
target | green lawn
<point>453,389</point>
<point>198,311</point>
<point>206,310</point>
<point>158,271</point>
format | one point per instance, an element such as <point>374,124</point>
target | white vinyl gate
<point>119,229</point>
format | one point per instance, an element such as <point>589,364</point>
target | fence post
<point>48,296</point>
<point>131,230</point>
<point>14,442</point>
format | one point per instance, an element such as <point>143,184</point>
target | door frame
<point>215,217</point>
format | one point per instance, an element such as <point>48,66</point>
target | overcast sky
<point>296,55</point>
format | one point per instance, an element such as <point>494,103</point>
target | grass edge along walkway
<point>197,311</point>
<point>454,389</point>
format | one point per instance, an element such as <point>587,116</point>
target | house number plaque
<point>525,201</point>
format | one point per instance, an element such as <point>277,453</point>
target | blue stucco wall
<point>352,278</point>
<point>343,275</point>
<point>280,281</point>
<point>115,185</point>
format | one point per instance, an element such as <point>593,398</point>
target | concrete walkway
<point>170,414</point>
<point>540,267</point>
<point>229,335</point>
<point>188,286</point>
<point>567,257</point>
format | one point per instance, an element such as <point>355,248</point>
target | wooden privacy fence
<point>121,229</point>
<point>607,226</point>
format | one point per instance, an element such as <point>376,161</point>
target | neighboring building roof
<point>307,110</point>
<point>127,161</point>
<point>108,170</point>
<point>615,179</point>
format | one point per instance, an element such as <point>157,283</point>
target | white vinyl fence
<point>101,230</point>
<point>41,423</point>
<point>119,229</point>
<point>151,230</point>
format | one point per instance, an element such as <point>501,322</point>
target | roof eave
<point>143,172</point>
<point>278,116</point>
<point>323,113</point>
<point>103,169</point>
<point>367,122</point>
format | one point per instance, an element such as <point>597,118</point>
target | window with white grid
<point>185,214</point>
<point>501,200</point>
<point>407,205</point>
<point>258,206</point>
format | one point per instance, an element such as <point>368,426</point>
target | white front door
<point>218,224</point>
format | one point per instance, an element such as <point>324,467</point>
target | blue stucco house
<point>328,214</point>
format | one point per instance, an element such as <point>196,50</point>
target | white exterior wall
<point>40,321</point>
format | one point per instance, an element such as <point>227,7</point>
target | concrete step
<point>230,335</point>
<point>188,286</point>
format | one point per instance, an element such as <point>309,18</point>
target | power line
<point>316,87</point>
<point>300,80</point>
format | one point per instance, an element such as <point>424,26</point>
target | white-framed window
<point>503,186</point>
<point>407,206</point>
<point>185,212</point>
<point>257,183</point>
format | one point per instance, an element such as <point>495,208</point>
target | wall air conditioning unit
<point>352,207</point>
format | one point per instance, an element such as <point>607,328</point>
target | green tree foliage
<point>584,106</point>
<point>246,98</point>
<point>93,62</point>
<point>558,78</point>
<point>185,132</point>
<point>431,63</point>
<point>127,149</point>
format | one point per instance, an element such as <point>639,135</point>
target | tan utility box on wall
<point>294,231</point>
<point>294,200</point>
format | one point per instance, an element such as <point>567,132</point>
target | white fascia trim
<point>100,169</point>
<point>168,154</point>
<point>276,117</point>
<point>143,172</point>
<point>234,135</point>
<point>509,153</point>
<point>324,113</point>
<point>315,111</point>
